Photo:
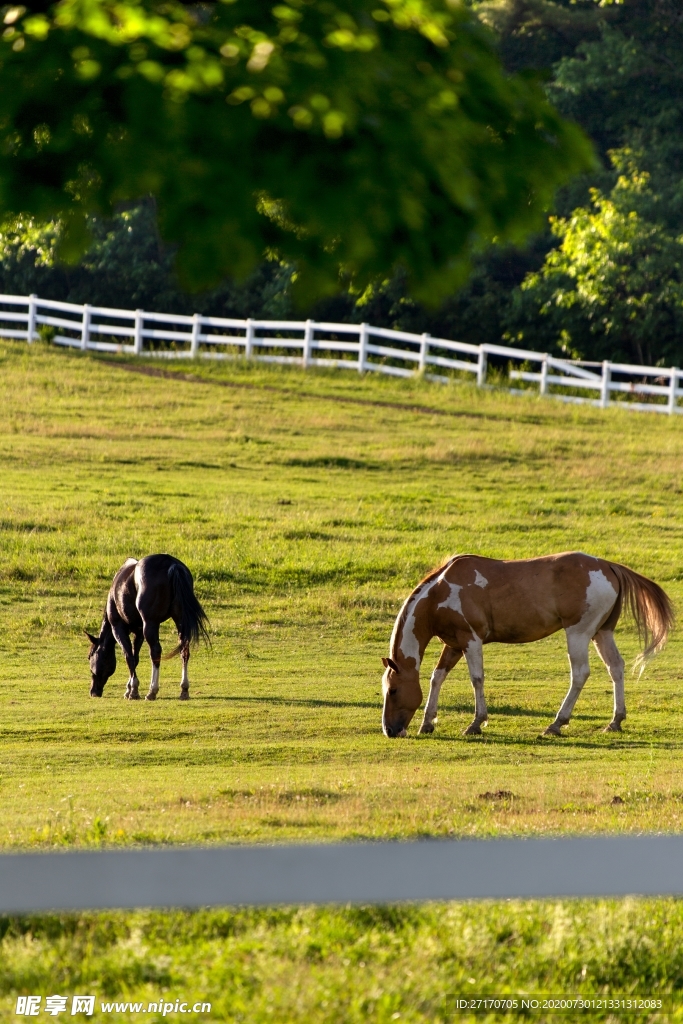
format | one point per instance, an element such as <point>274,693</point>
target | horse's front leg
<point>449,659</point>
<point>151,635</point>
<point>131,655</point>
<point>577,648</point>
<point>474,656</point>
<point>133,692</point>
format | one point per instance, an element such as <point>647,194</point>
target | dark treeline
<point>605,280</point>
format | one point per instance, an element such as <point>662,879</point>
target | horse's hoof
<point>425,728</point>
<point>613,727</point>
<point>552,730</point>
<point>184,695</point>
<point>134,695</point>
<point>151,696</point>
<point>473,730</point>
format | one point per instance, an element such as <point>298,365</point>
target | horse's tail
<point>650,607</point>
<point>194,621</point>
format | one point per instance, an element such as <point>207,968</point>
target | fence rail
<point>359,347</point>
<point>387,872</point>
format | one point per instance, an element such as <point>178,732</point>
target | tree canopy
<point>613,288</point>
<point>616,278</point>
<point>604,279</point>
<point>362,134</point>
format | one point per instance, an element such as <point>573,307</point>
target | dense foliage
<point>127,266</point>
<point>603,280</point>
<point>613,287</point>
<point>370,134</point>
<point>615,284</point>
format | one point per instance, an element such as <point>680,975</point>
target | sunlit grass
<point>307,505</point>
<point>357,964</point>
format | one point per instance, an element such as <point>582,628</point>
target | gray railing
<point>343,873</point>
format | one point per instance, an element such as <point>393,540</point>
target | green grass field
<point>307,505</point>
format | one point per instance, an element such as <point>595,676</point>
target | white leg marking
<point>607,649</point>
<point>577,648</point>
<point>132,688</point>
<point>600,598</point>
<point>448,659</point>
<point>154,684</point>
<point>435,684</point>
<point>184,683</point>
<point>474,655</point>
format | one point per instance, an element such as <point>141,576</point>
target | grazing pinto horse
<point>143,595</point>
<point>471,601</point>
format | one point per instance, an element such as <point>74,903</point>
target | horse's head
<point>102,658</point>
<point>402,697</point>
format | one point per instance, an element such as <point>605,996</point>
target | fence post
<point>424,346</point>
<point>249,339</point>
<point>362,347</point>
<point>543,384</point>
<point>308,342</point>
<point>606,380</point>
<point>671,405</point>
<point>196,330</point>
<point>85,329</point>
<point>31,322</point>
<point>481,367</point>
<point>137,340</point>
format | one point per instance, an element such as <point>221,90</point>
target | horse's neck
<point>411,634</point>
<point>106,633</point>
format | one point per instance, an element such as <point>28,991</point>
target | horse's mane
<point>435,572</point>
<point>403,614</point>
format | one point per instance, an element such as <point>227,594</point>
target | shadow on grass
<point>502,710</point>
<point>307,702</point>
<point>602,740</point>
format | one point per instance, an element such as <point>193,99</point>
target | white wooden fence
<point>359,347</point>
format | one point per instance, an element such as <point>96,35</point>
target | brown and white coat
<point>471,601</point>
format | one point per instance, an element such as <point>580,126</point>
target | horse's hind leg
<point>449,659</point>
<point>474,656</point>
<point>577,648</point>
<point>137,645</point>
<point>607,649</point>
<point>184,650</point>
<point>184,680</point>
<point>151,634</point>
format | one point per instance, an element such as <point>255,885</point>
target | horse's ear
<point>390,663</point>
<point>93,639</point>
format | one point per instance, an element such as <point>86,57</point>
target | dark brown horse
<point>142,596</point>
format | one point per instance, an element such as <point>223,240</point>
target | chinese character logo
<point>28,1006</point>
<point>83,1004</point>
<point>55,1004</point>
